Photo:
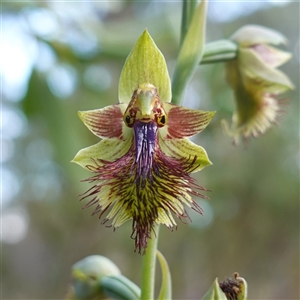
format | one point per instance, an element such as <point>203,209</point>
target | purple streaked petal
<point>106,122</point>
<point>184,122</point>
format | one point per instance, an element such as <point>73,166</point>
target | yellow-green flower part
<point>143,163</point>
<point>256,81</point>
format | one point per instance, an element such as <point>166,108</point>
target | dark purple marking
<point>145,140</point>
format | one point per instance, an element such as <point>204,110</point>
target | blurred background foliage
<point>61,57</point>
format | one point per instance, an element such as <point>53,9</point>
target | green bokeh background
<point>251,222</point>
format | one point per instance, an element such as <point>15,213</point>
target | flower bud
<point>87,274</point>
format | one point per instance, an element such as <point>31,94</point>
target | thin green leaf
<point>190,53</point>
<point>166,285</point>
<point>215,292</point>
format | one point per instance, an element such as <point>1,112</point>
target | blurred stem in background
<point>191,50</point>
<point>188,8</point>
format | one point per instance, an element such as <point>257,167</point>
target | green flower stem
<point>148,267</point>
<point>219,51</point>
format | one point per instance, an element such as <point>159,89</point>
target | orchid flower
<point>256,81</point>
<point>143,163</point>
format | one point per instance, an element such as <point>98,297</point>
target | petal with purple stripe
<point>184,122</point>
<point>106,122</point>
